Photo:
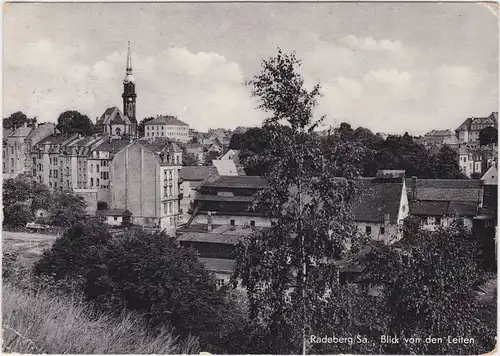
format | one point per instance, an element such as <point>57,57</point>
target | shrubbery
<point>148,273</point>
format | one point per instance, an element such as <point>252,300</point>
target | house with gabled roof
<point>438,202</point>
<point>167,127</point>
<point>114,123</point>
<point>469,130</point>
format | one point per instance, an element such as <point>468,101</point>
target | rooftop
<point>113,115</point>
<point>57,139</point>
<point>197,173</point>
<point>166,120</point>
<point>241,182</point>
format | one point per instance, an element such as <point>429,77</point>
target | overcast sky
<point>389,67</point>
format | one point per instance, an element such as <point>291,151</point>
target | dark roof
<point>113,146</point>
<point>114,212</point>
<point>56,139</point>
<point>197,172</point>
<point>252,182</point>
<point>446,189</point>
<point>462,208</point>
<point>429,208</point>
<point>218,264</point>
<point>166,120</point>
<point>227,239</point>
<point>376,198</point>
<point>113,115</point>
<point>241,199</point>
<point>160,146</point>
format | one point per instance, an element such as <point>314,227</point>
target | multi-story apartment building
<point>475,160</point>
<point>469,130</point>
<point>46,159</point>
<point>74,162</point>
<point>40,132</point>
<point>15,154</point>
<point>145,181</point>
<point>168,127</point>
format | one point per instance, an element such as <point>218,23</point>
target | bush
<point>17,215</point>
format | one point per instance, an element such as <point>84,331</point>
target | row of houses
<point>220,214</point>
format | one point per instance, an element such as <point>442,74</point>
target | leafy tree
<point>189,159</point>
<point>429,290</point>
<point>66,209</point>
<point>236,140</point>
<point>446,164</point>
<point>140,126</point>
<point>72,121</point>
<point>17,215</point>
<point>475,175</point>
<point>73,254</point>
<point>294,257</point>
<point>18,119</point>
<point>488,135</point>
<point>210,156</point>
<point>16,190</point>
<point>41,197</point>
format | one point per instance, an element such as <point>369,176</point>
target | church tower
<point>129,96</point>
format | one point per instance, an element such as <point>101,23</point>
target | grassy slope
<point>41,323</point>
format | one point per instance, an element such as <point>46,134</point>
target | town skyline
<point>373,76</point>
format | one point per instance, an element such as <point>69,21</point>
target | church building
<point>114,122</point>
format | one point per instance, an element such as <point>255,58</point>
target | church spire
<point>129,60</point>
<point>129,78</point>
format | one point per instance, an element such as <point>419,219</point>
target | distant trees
<point>446,164</point>
<point>72,121</point>
<point>17,120</point>
<point>488,135</point>
<point>140,126</point>
<point>189,159</point>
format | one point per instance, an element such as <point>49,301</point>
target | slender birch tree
<point>289,270</point>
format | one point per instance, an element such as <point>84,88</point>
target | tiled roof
<point>251,182</point>
<point>43,128</point>
<point>114,212</point>
<point>375,199</point>
<point>218,264</point>
<point>227,239</point>
<point>446,189</point>
<point>161,146</point>
<point>57,139</point>
<point>113,146</point>
<point>238,198</point>
<point>197,172</point>
<point>429,208</point>
<point>462,208</point>
<point>113,115</point>
<point>225,167</point>
<point>166,120</point>
<point>21,132</point>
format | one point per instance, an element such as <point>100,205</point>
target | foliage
<point>488,135</point>
<point>476,175</point>
<point>16,190</point>
<point>446,164</point>
<point>17,214</point>
<point>72,121</point>
<point>140,126</point>
<point>41,322</point>
<point>41,197</point>
<point>429,290</point>
<point>210,156</point>
<point>71,255</point>
<point>311,206</point>
<point>17,120</point>
<point>189,159</point>
<point>66,209</point>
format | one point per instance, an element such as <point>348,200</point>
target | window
<point>115,218</point>
<point>231,222</point>
<point>438,221</point>
<point>252,223</point>
<point>91,182</point>
<point>55,173</point>
<point>165,208</point>
<point>171,207</point>
<point>91,168</point>
<point>368,230</point>
<point>118,131</point>
<point>12,161</point>
<point>97,168</point>
<point>382,230</point>
<point>97,181</point>
<point>220,282</point>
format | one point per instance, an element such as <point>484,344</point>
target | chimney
<point>414,188</point>
<point>209,221</point>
